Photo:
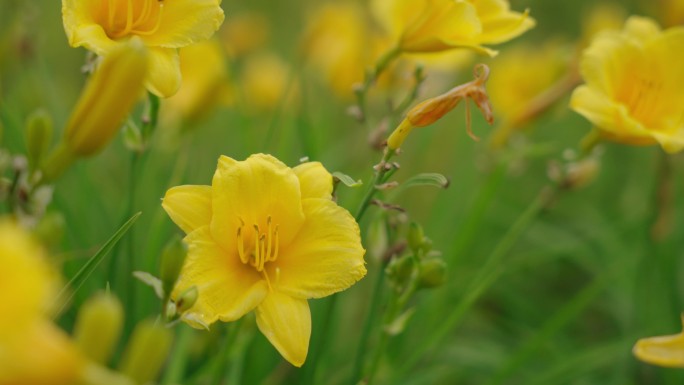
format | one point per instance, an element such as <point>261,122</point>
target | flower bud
<point>187,300</point>
<point>39,130</point>
<point>98,327</point>
<point>432,273</point>
<point>172,260</point>
<point>146,351</point>
<point>399,270</point>
<point>415,237</point>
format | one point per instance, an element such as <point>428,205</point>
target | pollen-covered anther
<point>265,247</point>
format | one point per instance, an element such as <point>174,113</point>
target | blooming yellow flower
<point>665,351</point>
<point>205,83</point>
<point>32,350</point>
<point>267,82</point>
<point>267,237</point>
<point>164,26</point>
<point>633,91</point>
<point>438,25</point>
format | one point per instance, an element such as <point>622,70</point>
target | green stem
<point>486,276</point>
<point>371,77</point>
<point>222,364</point>
<point>371,189</point>
<point>177,362</point>
<point>59,160</point>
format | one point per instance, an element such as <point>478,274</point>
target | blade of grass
<point>82,275</point>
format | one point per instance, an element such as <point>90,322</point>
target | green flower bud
<point>146,351</point>
<point>98,327</point>
<point>415,237</point>
<point>432,272</point>
<point>187,300</point>
<point>172,260</point>
<point>39,129</point>
<point>399,270</point>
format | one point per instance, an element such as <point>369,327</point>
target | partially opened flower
<point>164,26</point>
<point>438,25</point>
<point>267,237</point>
<point>633,92</point>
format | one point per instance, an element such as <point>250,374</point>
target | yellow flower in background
<point>266,82</point>
<point>32,349</point>
<point>205,83</point>
<point>671,12</point>
<point>438,25</point>
<point>340,44</point>
<point>665,351</point>
<point>633,92</point>
<point>245,33</point>
<point>603,16</point>
<point>267,237</point>
<point>163,26</point>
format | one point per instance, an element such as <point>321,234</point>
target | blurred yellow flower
<point>665,351</point>
<point>32,350</point>
<point>438,25</point>
<point>340,44</point>
<point>164,26</point>
<point>633,91</point>
<point>205,83</point>
<point>602,16</point>
<point>244,33</point>
<point>671,11</point>
<point>267,237</point>
<point>266,82</point>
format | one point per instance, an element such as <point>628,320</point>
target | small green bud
<point>187,300</point>
<point>146,351</point>
<point>432,272</point>
<point>415,237</point>
<point>50,228</point>
<point>399,270</point>
<point>98,327</point>
<point>39,129</point>
<point>172,260</point>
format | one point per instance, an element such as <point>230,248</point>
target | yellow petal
<point>442,26</point>
<point>505,27</point>
<point>228,289</point>
<point>286,323</point>
<point>325,257</point>
<point>185,22</point>
<point>188,206</point>
<point>641,28</point>
<point>81,27</point>
<point>665,351</point>
<point>314,180</point>
<point>163,73</point>
<point>250,192</point>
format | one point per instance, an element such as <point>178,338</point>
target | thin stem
<point>179,357</point>
<point>370,79</point>
<point>377,179</point>
<point>221,367</point>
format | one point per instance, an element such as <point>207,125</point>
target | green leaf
<point>427,179</point>
<point>346,179</point>
<point>151,281</point>
<point>82,275</point>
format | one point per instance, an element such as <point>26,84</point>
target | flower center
<point>643,99</point>
<point>133,17</point>
<point>263,249</point>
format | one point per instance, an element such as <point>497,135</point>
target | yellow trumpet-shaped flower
<point>265,237</point>
<point>438,25</point>
<point>32,350</point>
<point>665,351</point>
<point>633,91</point>
<point>164,26</point>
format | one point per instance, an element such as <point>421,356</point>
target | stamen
<point>274,256</point>
<point>264,256</point>
<point>111,7</point>
<point>257,250</point>
<point>241,247</point>
<point>156,25</point>
<point>143,14</point>
<point>270,240</point>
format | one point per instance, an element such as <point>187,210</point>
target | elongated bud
<point>172,260</point>
<point>431,110</point>
<point>146,351</point>
<point>39,130</point>
<point>187,300</point>
<point>415,237</point>
<point>432,272</point>
<point>98,327</point>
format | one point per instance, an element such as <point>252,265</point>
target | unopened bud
<point>432,272</point>
<point>50,228</point>
<point>146,351</point>
<point>187,300</point>
<point>98,327</point>
<point>415,237</point>
<point>39,130</point>
<point>581,173</point>
<point>172,259</point>
<point>399,270</point>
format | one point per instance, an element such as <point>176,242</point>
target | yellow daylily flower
<point>265,237</point>
<point>164,26</point>
<point>266,82</point>
<point>665,351</point>
<point>438,25</point>
<point>205,83</point>
<point>32,349</point>
<point>633,92</point>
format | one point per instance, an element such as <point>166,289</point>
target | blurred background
<point>596,270</point>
